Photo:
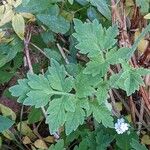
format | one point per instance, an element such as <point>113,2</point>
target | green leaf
<point>5,123</point>
<point>143,71</point>
<point>129,79</point>
<point>40,93</point>
<point>56,115</point>
<point>102,114</point>
<point>25,2</point>
<point>58,146</point>
<point>123,140</point>
<point>57,112</point>
<point>50,53</point>
<point>137,146</point>
<point>114,55</point>
<point>82,145</point>
<point>82,2</point>
<point>48,37</point>
<point>31,6</point>
<point>102,7</point>
<point>97,66</point>
<point>132,81</point>
<point>102,92</point>
<point>84,85</point>
<point>18,24</point>
<point>38,89</point>
<point>70,1</point>
<point>9,50</point>
<point>38,82</point>
<point>20,90</point>
<point>74,119</point>
<point>35,115</point>
<point>144,5</point>
<point>93,38</point>
<point>37,98</point>
<point>92,13</point>
<point>103,140</point>
<point>5,76</point>
<point>57,77</point>
<point>55,23</point>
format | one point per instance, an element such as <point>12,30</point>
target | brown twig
<point>38,49</point>
<point>141,117</point>
<point>62,53</point>
<point>27,54</point>
<point>132,108</point>
<point>113,102</point>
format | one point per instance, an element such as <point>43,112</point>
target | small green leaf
<point>137,146</point>
<point>57,77</point>
<point>57,111</point>
<point>7,112</point>
<point>58,146</point>
<point>18,24</point>
<point>31,6</point>
<point>56,114</point>
<point>55,23</point>
<point>102,7</point>
<point>25,2</point>
<point>103,140</point>
<point>5,123</point>
<point>8,51</point>
<point>92,13</point>
<point>144,5</point>
<point>20,90</point>
<point>102,114</point>
<point>93,38</point>
<point>130,79</point>
<point>70,1</point>
<point>35,115</point>
<point>37,98</point>
<point>74,119</point>
<point>97,66</point>
<point>84,85</point>
<point>123,140</point>
<point>132,82</point>
<point>102,92</point>
<point>50,53</point>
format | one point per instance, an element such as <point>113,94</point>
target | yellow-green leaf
<point>7,16</point>
<point>2,9</point>
<point>128,117</point>
<point>147,16</point>
<point>146,140</point>
<point>26,140</point>
<point>28,16</point>
<point>118,106</point>
<point>25,130</point>
<point>17,3</point>
<point>6,111</point>
<point>18,24</point>
<point>49,139</point>
<point>40,144</point>
<point>8,134</point>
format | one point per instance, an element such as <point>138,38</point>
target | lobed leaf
<point>93,38</point>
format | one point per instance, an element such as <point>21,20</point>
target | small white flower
<point>121,126</point>
<point>4,2</point>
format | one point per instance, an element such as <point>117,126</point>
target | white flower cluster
<point>121,126</point>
